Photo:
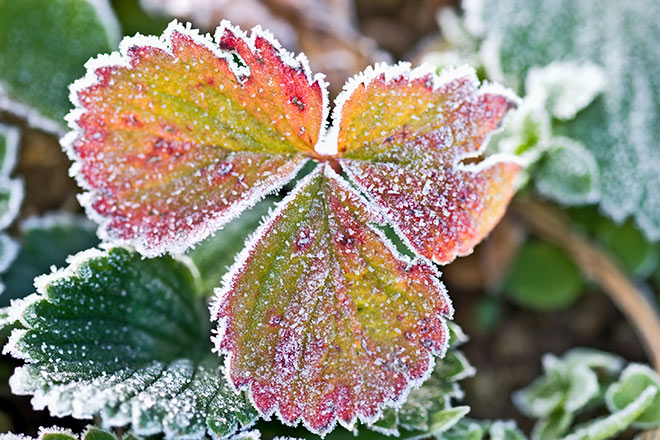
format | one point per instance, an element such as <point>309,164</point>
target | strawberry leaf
<point>174,137</point>
<point>124,338</point>
<point>403,135</point>
<point>322,318</point>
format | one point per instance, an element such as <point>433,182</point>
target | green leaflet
<point>42,55</point>
<point>45,241</point>
<point>608,427</point>
<point>127,339</point>
<point>621,127</point>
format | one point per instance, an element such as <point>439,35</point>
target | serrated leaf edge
<point>250,245</point>
<point>121,58</point>
<point>403,70</point>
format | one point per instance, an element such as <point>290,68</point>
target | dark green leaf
<point>125,338</point>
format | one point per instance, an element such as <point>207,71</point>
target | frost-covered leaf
<point>174,137</point>
<point>214,255</point>
<point>124,338</point>
<point>505,430</point>
<point>569,173</point>
<point>464,430</point>
<point>323,320</point>
<point>633,381</point>
<point>45,242</point>
<point>43,46</point>
<point>552,427</point>
<point>566,87</point>
<point>608,427</point>
<point>622,126</point>
<point>403,136</point>
<point>8,252</point>
<point>569,382</point>
<point>56,433</point>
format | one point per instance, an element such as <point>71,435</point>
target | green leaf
<point>543,277</point>
<point>11,197</point>
<point>325,321</point>
<point>566,87</point>
<point>126,339</point>
<point>633,381</point>
<point>569,173</point>
<point>501,430</point>
<point>94,433</point>
<point>43,46</point>
<point>552,427</point>
<point>45,241</point>
<point>542,397</point>
<point>569,383</point>
<point>621,127</point>
<point>464,430</point>
<point>134,19</point>
<point>608,427</point>
<point>637,255</point>
<point>214,255</point>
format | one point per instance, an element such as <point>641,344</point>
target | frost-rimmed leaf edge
<point>329,145</point>
<point>15,313</point>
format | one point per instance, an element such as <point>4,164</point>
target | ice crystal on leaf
<point>321,318</point>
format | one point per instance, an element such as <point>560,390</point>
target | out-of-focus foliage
<point>607,47</point>
<point>584,379</point>
<point>45,242</point>
<point>543,277</point>
<point>43,47</point>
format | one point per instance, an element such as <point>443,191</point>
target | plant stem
<point>599,267</point>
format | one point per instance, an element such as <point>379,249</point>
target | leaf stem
<point>599,267</point>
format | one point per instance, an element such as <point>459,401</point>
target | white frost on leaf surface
<point>568,87</point>
<point>123,338</point>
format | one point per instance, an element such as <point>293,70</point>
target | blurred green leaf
<point>134,19</point>
<point>634,380</point>
<point>568,173</point>
<point>43,46</point>
<point>607,427</point>
<point>543,277</point>
<point>46,241</point>
<point>628,244</point>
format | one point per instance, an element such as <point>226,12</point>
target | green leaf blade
<point>125,338</point>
